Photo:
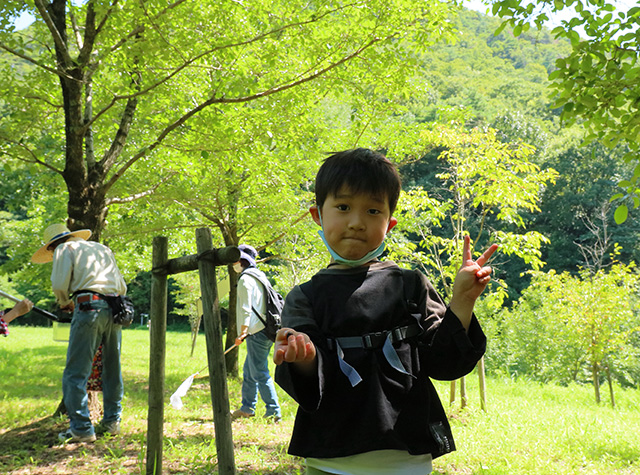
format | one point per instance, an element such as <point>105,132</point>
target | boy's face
<point>354,224</point>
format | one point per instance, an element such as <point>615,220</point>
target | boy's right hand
<point>293,347</point>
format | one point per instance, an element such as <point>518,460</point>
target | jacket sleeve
<point>306,390</point>
<point>243,304</point>
<point>447,351</point>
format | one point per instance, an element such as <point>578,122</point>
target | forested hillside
<point>501,82</point>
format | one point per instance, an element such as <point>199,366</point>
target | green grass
<point>545,429</point>
<point>528,428</point>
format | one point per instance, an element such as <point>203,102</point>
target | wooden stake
<point>157,337</point>
<point>215,356</point>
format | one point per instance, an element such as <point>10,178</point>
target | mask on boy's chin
<point>352,262</point>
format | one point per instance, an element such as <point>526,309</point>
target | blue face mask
<point>350,262</point>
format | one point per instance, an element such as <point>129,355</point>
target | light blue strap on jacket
<point>381,339</point>
<point>372,341</point>
<point>348,370</point>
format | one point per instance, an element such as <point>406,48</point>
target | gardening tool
<point>44,313</point>
<point>176,397</point>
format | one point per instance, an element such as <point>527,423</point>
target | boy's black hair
<point>362,171</point>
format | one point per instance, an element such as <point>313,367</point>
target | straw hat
<point>52,234</point>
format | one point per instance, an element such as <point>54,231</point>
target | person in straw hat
<point>83,272</point>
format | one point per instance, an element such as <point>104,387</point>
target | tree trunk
<point>230,237</point>
<point>231,358</point>
<point>482,383</point>
<point>83,175</point>
<point>613,400</point>
<point>95,407</point>
<point>596,381</point>
<point>463,392</point>
<point>452,393</point>
<point>84,197</point>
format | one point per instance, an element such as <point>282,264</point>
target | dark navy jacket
<point>387,409</point>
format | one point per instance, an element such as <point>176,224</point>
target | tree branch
<point>89,36</point>
<point>32,61</point>
<point>34,157</point>
<point>55,34</point>
<point>120,139</point>
<point>137,231</point>
<point>103,22</point>
<point>140,29</point>
<point>76,30</point>
<point>283,234</point>
<point>137,31</point>
<point>222,100</point>
<point>137,196</point>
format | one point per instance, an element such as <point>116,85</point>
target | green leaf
<point>621,214</point>
<point>554,74</point>
<point>500,29</point>
<point>617,196</point>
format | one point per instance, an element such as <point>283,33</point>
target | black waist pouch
<point>122,309</point>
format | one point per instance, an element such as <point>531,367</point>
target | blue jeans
<point>256,377</point>
<point>91,325</point>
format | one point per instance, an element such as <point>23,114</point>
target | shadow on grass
<point>36,449</point>
<point>42,432</point>
<point>271,457</point>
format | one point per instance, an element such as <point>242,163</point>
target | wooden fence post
<point>157,337</point>
<point>215,352</point>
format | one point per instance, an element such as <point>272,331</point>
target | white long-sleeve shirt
<point>84,265</point>
<point>250,292</point>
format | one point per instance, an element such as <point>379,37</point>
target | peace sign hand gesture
<point>470,282</point>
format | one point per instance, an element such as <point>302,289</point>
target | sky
<point>554,19</point>
<point>24,21</point>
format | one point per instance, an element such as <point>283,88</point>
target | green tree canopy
<point>566,327</point>
<point>598,82</point>
<point>109,87</point>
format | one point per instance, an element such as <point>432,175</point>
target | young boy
<point>362,338</point>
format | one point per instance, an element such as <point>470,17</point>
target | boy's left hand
<point>293,347</point>
<point>471,280</point>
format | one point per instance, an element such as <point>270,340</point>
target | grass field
<point>528,428</point>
